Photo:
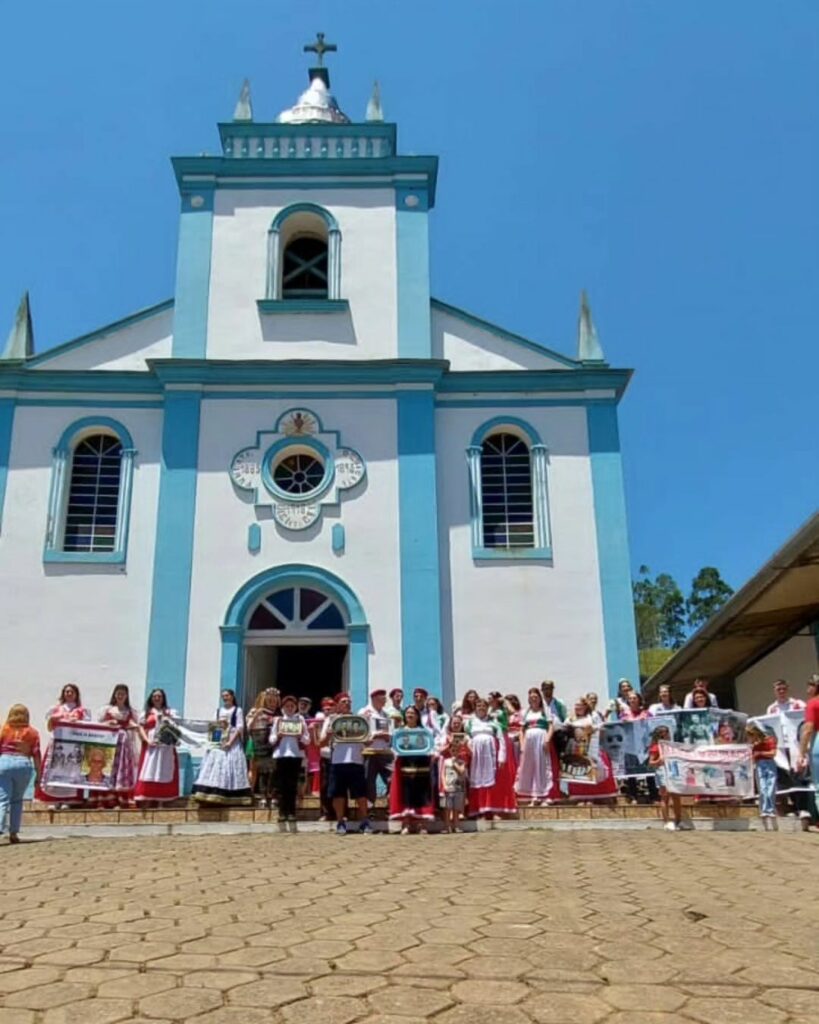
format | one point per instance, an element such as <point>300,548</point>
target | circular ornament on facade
<point>411,201</point>
<point>245,469</point>
<point>349,468</point>
<point>197,201</point>
<point>295,517</point>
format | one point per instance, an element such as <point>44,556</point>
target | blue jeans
<point>15,774</point>
<point>766,782</point>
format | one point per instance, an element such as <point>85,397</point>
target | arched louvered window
<point>304,256</point>
<point>304,269</point>
<point>90,499</point>
<point>93,494</point>
<point>506,493</point>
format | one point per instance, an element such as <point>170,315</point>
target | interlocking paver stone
<point>588,928</point>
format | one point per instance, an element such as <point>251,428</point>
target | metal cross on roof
<point>319,47</point>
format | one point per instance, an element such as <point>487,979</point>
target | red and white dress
<point>158,775</point>
<point>538,772</point>
<point>60,713</point>
<point>489,790</point>
<point>124,774</point>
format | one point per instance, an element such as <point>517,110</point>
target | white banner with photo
<point>724,770</point>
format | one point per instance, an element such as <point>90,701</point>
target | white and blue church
<point>304,470</point>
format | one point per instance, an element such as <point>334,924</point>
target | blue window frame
<point>90,499</point>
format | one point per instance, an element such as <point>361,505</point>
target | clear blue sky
<point>662,154</point>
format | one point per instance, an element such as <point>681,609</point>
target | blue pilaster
<point>358,668</point>
<point>612,545</point>
<point>6,428</point>
<point>412,241</point>
<point>173,557</point>
<point>190,325</point>
<point>418,542</point>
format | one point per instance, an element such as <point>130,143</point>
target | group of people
<point>485,757</point>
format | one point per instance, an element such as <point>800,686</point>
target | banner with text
<point>709,769</point>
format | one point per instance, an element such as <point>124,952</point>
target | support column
<point>190,324</point>
<point>613,560</point>
<point>412,265</point>
<point>418,542</point>
<point>173,557</point>
<point>7,407</point>
<point>358,665</point>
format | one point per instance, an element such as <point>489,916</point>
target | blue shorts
<point>347,781</point>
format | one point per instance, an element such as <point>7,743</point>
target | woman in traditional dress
<point>507,767</point>
<point>433,717</point>
<point>222,777</point>
<point>487,752</point>
<point>537,774</point>
<point>513,710</point>
<point>158,775</point>
<point>19,761</point>
<point>411,798</point>
<point>118,714</point>
<point>467,704</point>
<point>260,719</point>
<point>68,708</point>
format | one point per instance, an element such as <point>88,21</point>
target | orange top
<point>22,740</point>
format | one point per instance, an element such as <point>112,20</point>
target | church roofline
<point>319,129</point>
<point>501,332</point>
<point>101,332</point>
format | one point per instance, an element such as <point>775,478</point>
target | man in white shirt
<point>699,684</point>
<point>665,703</point>
<point>784,701</point>
<point>347,778</point>
<point>378,765</point>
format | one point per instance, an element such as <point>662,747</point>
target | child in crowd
<point>763,750</point>
<point>453,785</point>
<point>655,761</point>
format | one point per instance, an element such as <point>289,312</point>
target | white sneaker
<point>686,826</point>
<point>670,826</point>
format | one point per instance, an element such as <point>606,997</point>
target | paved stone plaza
<point>575,927</point>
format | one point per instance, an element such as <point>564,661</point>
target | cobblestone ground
<point>616,927</point>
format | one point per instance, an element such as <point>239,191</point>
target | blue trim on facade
<point>501,332</point>
<point>254,538</point>
<point>421,650</point>
<point>289,211</point>
<point>6,431</point>
<point>485,429</point>
<point>190,323</point>
<point>279,307</point>
<point>68,436</point>
<point>297,440</point>
<point>78,403</point>
<point>90,557</point>
<point>100,332</point>
<point>612,545</point>
<point>173,557</point>
<point>412,268</point>
<point>339,539</point>
<point>278,578</point>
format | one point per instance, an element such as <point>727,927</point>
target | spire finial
<point>20,342</point>
<point>244,105</point>
<point>319,47</point>
<point>589,349</point>
<point>375,111</point>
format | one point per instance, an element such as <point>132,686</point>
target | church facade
<point>303,470</point>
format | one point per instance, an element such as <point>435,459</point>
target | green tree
<point>709,592</point>
<point>659,611</point>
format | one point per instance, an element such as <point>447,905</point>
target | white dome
<point>316,103</point>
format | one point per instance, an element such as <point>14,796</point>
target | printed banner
<point>709,769</point>
<point>82,757</point>
<point>579,755</point>
<point>197,736</point>
<point>627,743</point>
<point>787,727</point>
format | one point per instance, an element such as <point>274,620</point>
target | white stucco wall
<point>794,660</point>
<point>222,562</point>
<point>126,348</point>
<point>72,623</point>
<point>366,219</point>
<point>468,347</point>
<point>516,624</point>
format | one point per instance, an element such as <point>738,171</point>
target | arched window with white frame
<point>508,491</point>
<point>304,255</point>
<point>89,502</point>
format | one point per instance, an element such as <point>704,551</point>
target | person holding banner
<point>118,714</point>
<point>222,777</point>
<point>808,745</point>
<point>260,720</point>
<point>158,774</point>
<point>763,750</point>
<point>655,761</point>
<point>411,786</point>
<point>536,778</point>
<point>69,708</point>
<point>19,760</point>
<point>289,738</point>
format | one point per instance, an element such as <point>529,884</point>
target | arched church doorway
<point>296,640</point>
<point>299,628</point>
